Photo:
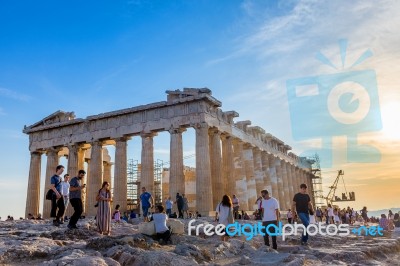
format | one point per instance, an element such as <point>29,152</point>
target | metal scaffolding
<point>317,181</point>
<point>133,182</point>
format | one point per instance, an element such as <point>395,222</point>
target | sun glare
<point>391,120</point>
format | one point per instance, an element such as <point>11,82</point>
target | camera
<point>341,104</point>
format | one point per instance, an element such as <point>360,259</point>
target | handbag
<point>50,192</point>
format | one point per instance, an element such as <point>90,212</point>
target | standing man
<point>235,202</point>
<point>57,200</point>
<point>168,206</point>
<point>179,203</point>
<point>302,205</point>
<point>270,215</point>
<point>146,201</point>
<point>65,193</point>
<point>75,196</point>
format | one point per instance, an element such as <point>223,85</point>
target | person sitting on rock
<point>160,223</point>
<point>383,222</point>
<point>117,214</point>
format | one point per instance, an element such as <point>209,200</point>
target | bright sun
<point>391,120</point>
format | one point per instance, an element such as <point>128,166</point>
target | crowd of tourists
<point>65,192</point>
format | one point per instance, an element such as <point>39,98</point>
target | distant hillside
<point>385,211</point>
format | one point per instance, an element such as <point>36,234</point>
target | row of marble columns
<point>224,165</point>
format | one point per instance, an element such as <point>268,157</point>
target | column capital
<point>96,143</point>
<point>226,136</point>
<point>38,152</point>
<point>53,150</point>
<point>201,125</point>
<point>237,141</point>
<point>177,130</point>
<point>247,146</point>
<point>213,131</point>
<point>122,139</point>
<point>148,134</point>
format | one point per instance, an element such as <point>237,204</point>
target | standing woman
<point>224,214</point>
<point>185,206</point>
<point>104,210</point>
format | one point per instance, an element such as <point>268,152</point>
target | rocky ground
<point>40,243</point>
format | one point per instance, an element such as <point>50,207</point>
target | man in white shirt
<point>270,215</point>
<point>65,193</point>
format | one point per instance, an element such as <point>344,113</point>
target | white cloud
<point>14,95</point>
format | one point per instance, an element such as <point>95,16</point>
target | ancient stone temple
<point>231,157</point>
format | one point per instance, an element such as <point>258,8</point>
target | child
<point>117,214</point>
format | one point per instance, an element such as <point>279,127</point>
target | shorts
<point>145,210</point>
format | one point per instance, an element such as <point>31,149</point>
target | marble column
<point>107,172</point>
<point>228,165</point>
<point>85,191</point>
<point>281,190</point>
<point>216,166</point>
<point>33,191</point>
<point>258,171</point>
<point>95,179</point>
<point>120,174</point>
<point>176,174</point>
<point>52,162</point>
<point>147,162</point>
<point>250,178</point>
<point>290,182</point>
<point>75,154</point>
<point>274,176</point>
<point>204,197</point>
<point>285,186</point>
<point>240,174</point>
<point>267,183</point>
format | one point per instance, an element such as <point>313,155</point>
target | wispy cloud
<point>14,95</point>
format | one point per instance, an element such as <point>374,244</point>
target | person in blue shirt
<point>146,201</point>
<point>57,200</point>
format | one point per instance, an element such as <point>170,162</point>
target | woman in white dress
<point>224,213</point>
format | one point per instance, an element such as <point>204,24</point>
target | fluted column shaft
<point>267,183</point>
<point>274,176</point>
<point>258,172</point>
<point>204,198</point>
<point>240,174</point>
<point>33,191</point>
<point>228,165</point>
<point>95,179</point>
<point>176,174</point>
<point>107,172</point>
<point>285,185</point>
<point>216,166</point>
<point>281,190</point>
<point>75,154</point>
<point>120,174</point>
<point>147,171</point>
<point>52,162</point>
<point>290,183</point>
<point>250,178</point>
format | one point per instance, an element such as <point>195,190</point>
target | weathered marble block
<point>148,228</point>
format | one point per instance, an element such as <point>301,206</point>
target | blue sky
<point>98,56</point>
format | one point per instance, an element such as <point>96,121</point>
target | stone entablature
<point>183,109</point>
